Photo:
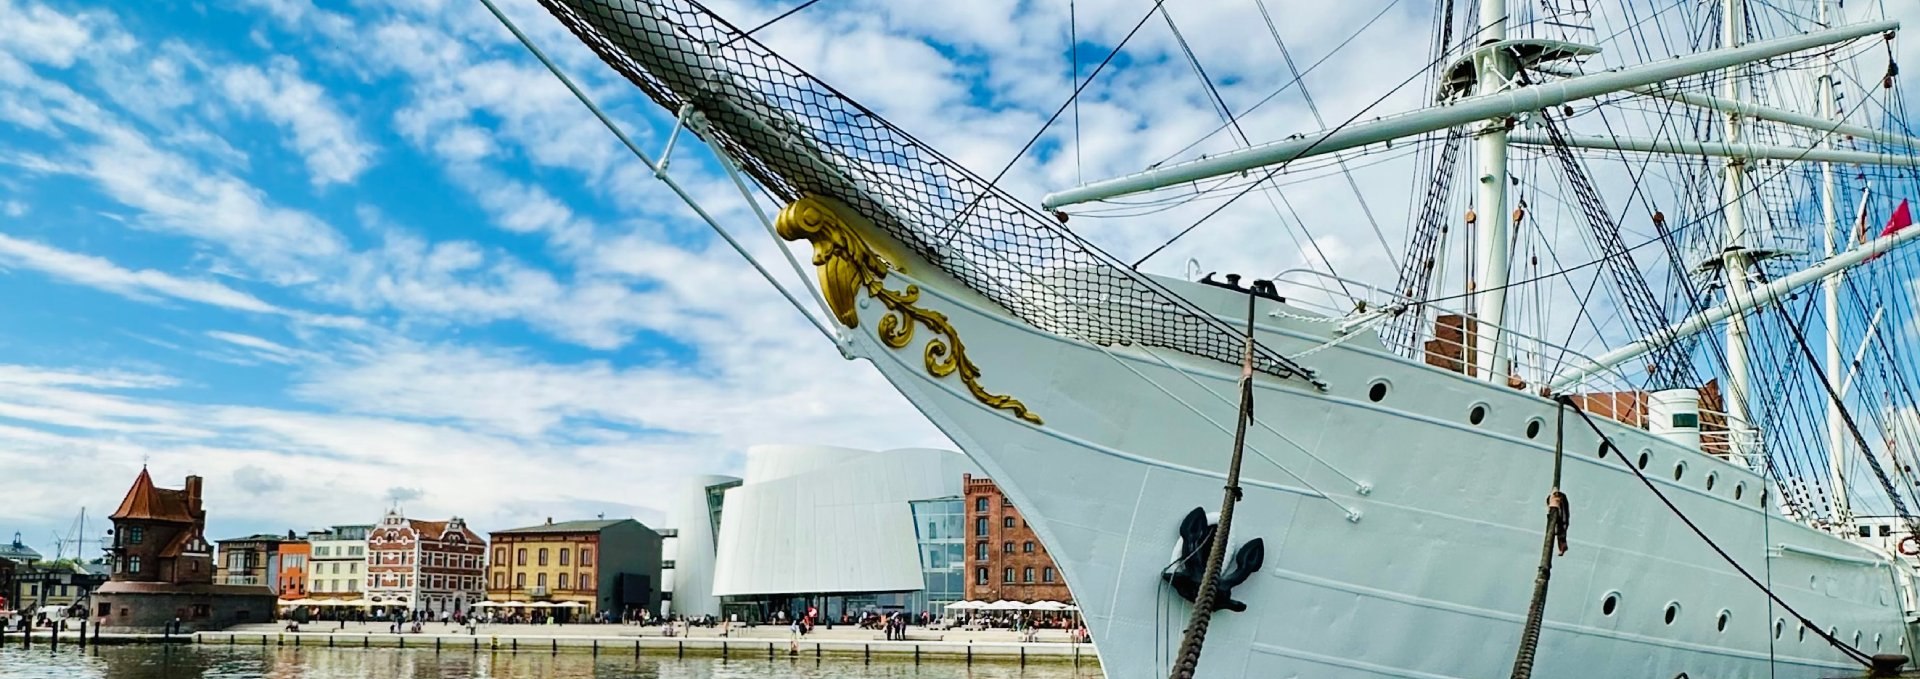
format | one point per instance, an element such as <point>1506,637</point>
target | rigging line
<point>1853,427</point>
<point>769,22</point>
<point>1852,653</point>
<point>1284,87</point>
<point>1751,191</point>
<point>1278,167</point>
<point>1037,134</point>
<point>1287,55</point>
<point>1073,55</point>
<point>1226,113</point>
<point>738,248</point>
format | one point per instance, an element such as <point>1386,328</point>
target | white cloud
<point>327,139</point>
<point>144,284</point>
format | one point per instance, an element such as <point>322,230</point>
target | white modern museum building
<point>840,529</point>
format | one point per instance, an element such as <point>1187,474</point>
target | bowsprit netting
<point>798,137</point>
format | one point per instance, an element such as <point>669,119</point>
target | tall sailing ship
<point>1728,262</point>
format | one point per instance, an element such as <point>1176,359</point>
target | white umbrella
<point>1005,605</point>
<point>966,605</point>
<point>1047,606</point>
<point>570,604</point>
<point>362,603</point>
<point>296,602</point>
<point>539,604</point>
<point>484,604</point>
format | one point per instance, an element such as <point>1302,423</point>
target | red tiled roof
<point>145,501</point>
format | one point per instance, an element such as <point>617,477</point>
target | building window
<point>522,557</point>
<point>1006,575</point>
<point>1046,574</point>
<point>586,556</point>
<point>563,578</point>
<point>1006,547</point>
<point>133,564</point>
<point>520,580</point>
<point>563,557</point>
<point>1027,575</point>
<point>498,579</point>
<point>1028,548</point>
<point>980,576</point>
<point>980,504</point>
<point>1006,522</point>
<point>540,580</point>
<point>543,556</point>
<point>135,534</point>
<point>980,551</point>
<point>1006,501</point>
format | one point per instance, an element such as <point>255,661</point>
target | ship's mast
<point>1734,263</point>
<point>1494,74</point>
<point>1836,432</point>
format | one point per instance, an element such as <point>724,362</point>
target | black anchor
<point>1196,541</point>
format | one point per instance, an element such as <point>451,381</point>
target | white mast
<point>1836,439</point>
<point>1494,75</point>
<point>1735,260</point>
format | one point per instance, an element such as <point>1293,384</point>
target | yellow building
<point>604,565</point>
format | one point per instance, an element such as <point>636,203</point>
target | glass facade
<point>940,526</point>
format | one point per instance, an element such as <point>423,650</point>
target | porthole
<point>1711,477</point>
<point>1813,582</point>
<point>1610,603</point>
<point>1738,490</point>
<point>1720,621</point>
<point>1679,470</point>
<point>1803,632</point>
<point>1876,641</point>
<point>1645,457</point>
<point>1779,627</point>
<point>1377,392</point>
<point>1604,445</point>
<point>1478,414</point>
<point>1673,611</point>
<point>1533,428</point>
<point>1856,638</point>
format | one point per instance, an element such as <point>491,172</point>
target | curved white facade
<point>828,520</point>
<point>692,550</point>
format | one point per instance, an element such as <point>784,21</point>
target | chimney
<point>549,520</point>
<point>193,493</point>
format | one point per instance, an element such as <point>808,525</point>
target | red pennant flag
<point>1902,218</point>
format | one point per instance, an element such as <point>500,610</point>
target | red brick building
<point>428,566</point>
<point>162,567</point>
<point>1005,559</point>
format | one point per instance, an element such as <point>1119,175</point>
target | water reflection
<point>217,662</point>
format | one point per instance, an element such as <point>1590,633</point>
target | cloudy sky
<point>333,257</point>
<point>340,255</point>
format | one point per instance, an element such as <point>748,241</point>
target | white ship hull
<point>1434,577</point>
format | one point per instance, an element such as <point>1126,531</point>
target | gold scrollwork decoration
<point>846,264</point>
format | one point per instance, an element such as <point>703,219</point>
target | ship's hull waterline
<point>1433,577</point>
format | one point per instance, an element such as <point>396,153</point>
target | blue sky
<point>337,256</point>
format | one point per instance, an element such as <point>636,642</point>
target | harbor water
<point>151,661</point>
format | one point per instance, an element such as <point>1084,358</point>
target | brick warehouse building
<point>1005,559</point>
<point>162,567</point>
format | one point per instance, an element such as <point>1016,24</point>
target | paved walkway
<point>839,633</point>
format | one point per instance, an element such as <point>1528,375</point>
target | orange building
<point>294,555</point>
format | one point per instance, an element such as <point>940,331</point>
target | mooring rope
<point>1556,529</point>
<point>1188,658</point>
<point>1845,648</point>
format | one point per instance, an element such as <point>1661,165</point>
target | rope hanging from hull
<point>1556,534</point>
<point>1188,659</point>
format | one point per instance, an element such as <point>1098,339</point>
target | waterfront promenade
<point>1049,646</point>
